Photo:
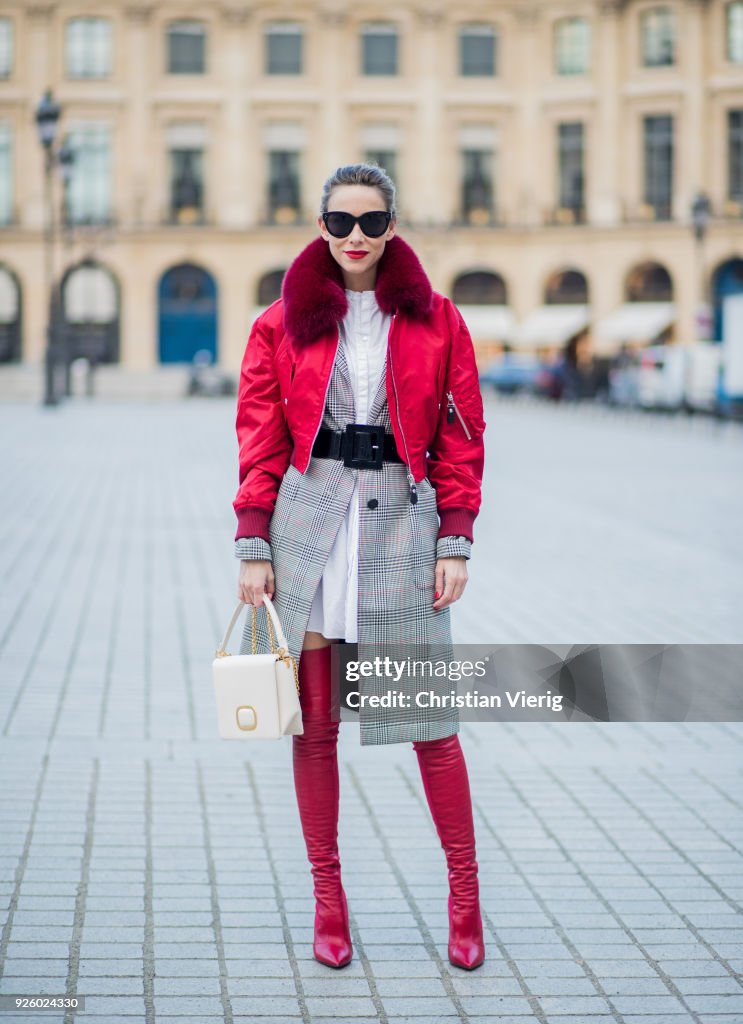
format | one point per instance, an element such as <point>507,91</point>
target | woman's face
<point>357,254</point>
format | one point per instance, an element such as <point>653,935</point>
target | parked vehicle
<point>513,372</point>
<point>730,385</point>
<point>667,377</point>
<point>660,380</point>
<point>549,380</point>
<point>208,380</point>
<point>624,380</point>
<point>703,374</point>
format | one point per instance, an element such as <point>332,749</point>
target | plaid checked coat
<point>398,548</point>
<point>397,560</point>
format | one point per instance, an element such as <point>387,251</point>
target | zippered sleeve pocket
<point>453,413</point>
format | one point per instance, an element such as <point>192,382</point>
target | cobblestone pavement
<point>161,872</point>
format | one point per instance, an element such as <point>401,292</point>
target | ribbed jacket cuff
<point>253,522</point>
<point>456,522</point>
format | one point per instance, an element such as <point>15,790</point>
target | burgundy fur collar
<point>314,296</point>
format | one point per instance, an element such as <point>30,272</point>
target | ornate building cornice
<point>332,17</point>
<point>526,13</point>
<point>40,11</point>
<point>141,12</point>
<point>235,13</point>
<point>429,15</point>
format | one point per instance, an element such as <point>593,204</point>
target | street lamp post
<point>47,118</point>
<point>66,161</point>
<point>701,211</point>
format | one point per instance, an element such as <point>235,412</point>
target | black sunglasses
<point>373,224</point>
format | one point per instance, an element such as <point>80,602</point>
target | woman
<point>360,429</point>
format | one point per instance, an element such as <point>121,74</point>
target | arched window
<point>10,316</point>
<point>269,287</point>
<point>90,305</point>
<point>566,287</point>
<point>188,310</point>
<point>479,288</point>
<point>649,282</point>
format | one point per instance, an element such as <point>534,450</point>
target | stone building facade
<point>550,158</point>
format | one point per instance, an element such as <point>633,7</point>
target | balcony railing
<point>479,217</point>
<point>648,213</point>
<point>730,209</point>
<point>565,215</point>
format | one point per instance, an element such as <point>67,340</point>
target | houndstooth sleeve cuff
<point>453,547</point>
<point>253,548</point>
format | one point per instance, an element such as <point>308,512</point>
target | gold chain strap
<point>282,653</point>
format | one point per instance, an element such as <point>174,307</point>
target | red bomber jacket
<point>433,390</point>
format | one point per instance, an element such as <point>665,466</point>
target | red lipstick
<point>356,254</point>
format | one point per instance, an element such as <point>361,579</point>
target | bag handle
<point>273,619</point>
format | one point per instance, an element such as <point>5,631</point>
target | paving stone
<point>606,839</point>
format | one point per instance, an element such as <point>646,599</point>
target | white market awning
<point>553,325</point>
<point>635,321</point>
<point>489,323</point>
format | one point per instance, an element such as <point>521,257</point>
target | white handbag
<point>257,694</point>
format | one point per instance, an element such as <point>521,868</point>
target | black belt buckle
<point>363,446</point>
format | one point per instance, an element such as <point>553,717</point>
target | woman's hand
<point>451,579</point>
<point>256,578</point>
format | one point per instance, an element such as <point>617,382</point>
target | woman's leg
<point>446,785</point>
<point>316,781</point>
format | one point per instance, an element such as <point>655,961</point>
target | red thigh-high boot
<point>315,759</point>
<point>446,785</point>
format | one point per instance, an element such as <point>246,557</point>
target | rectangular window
<point>385,158</point>
<point>735,155</point>
<point>186,48</point>
<point>477,186</point>
<point>658,30</point>
<point>6,47</point>
<point>186,185</point>
<point>572,46</point>
<point>477,50</point>
<point>283,49</point>
<point>570,166</point>
<point>658,149</point>
<point>88,48</point>
<point>6,175</point>
<point>379,49</point>
<point>284,198</point>
<point>89,190</point>
<point>735,33</point>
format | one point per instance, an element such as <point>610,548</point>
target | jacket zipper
<point>409,474</point>
<point>327,388</point>
<point>451,409</point>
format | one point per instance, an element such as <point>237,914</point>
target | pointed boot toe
<point>332,945</point>
<point>466,944</point>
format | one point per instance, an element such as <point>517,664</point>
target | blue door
<point>187,300</point>
<point>728,280</point>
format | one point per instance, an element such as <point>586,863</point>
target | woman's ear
<point>323,229</point>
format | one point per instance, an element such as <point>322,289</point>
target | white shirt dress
<point>363,335</point>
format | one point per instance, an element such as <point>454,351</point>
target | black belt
<point>360,445</point>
